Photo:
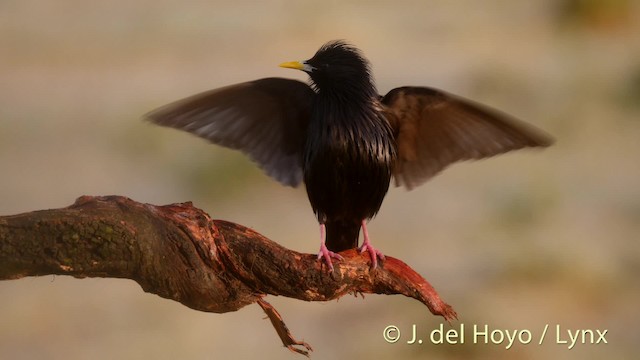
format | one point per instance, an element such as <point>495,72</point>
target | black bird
<point>344,139</point>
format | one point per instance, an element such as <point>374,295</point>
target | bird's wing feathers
<point>265,119</point>
<point>434,129</point>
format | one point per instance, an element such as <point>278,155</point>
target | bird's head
<point>337,66</point>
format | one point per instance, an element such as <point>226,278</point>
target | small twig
<point>283,330</point>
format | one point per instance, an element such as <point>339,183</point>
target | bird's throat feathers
<point>352,91</point>
<point>348,96</point>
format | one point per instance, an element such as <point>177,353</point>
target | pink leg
<point>366,246</point>
<point>324,252</point>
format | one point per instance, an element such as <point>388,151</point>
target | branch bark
<point>178,252</point>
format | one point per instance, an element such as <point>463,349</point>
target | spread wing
<point>434,129</point>
<point>265,119</point>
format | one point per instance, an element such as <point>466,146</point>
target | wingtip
<point>148,118</point>
<point>548,141</point>
<point>541,138</point>
<point>152,116</point>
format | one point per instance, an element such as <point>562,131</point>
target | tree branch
<point>178,252</point>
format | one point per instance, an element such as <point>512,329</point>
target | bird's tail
<point>342,235</point>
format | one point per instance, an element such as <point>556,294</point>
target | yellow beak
<point>293,65</point>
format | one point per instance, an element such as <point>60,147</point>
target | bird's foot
<point>366,246</point>
<point>327,255</point>
<point>373,252</point>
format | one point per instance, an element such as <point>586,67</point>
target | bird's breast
<point>347,164</point>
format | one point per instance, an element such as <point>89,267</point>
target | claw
<point>366,246</point>
<point>327,255</point>
<point>324,253</point>
<point>374,253</point>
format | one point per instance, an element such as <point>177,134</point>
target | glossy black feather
<point>342,138</point>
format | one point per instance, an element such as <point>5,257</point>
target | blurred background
<point>516,242</point>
